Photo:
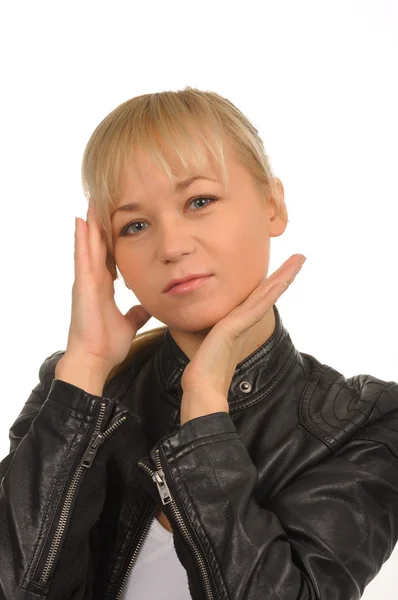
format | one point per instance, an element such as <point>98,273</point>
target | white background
<point>319,81</point>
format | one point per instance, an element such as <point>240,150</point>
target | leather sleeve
<point>49,503</point>
<point>34,403</point>
<point>324,536</point>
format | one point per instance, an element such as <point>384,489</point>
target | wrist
<point>195,404</point>
<point>85,374</point>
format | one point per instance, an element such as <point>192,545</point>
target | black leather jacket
<point>292,495</point>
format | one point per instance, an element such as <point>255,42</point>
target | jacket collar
<point>254,378</point>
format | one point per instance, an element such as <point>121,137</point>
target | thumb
<point>138,316</point>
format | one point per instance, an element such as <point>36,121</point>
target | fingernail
<point>298,268</point>
<point>299,265</point>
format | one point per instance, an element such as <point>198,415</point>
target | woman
<point>207,458</point>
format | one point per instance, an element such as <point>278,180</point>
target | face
<point>224,233</point>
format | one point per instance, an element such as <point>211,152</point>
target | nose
<point>175,240</point>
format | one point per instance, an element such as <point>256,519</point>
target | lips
<point>188,286</point>
<point>174,282</point>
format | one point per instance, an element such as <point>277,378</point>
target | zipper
<point>137,550</point>
<point>96,440</point>
<point>158,477</point>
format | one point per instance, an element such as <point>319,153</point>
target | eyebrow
<point>179,187</point>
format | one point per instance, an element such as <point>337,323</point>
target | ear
<point>277,211</point>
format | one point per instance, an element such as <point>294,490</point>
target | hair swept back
<point>154,123</point>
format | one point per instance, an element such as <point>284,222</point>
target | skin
<point>229,238</point>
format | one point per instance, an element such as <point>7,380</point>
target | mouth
<point>188,286</point>
<point>189,277</point>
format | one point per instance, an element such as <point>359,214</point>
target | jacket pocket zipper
<point>158,477</point>
<point>96,440</point>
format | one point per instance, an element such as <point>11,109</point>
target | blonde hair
<point>154,122</point>
<point>142,344</point>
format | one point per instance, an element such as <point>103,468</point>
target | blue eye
<point>125,229</point>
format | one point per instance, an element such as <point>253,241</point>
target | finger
<point>266,303</point>
<point>82,262</point>
<point>286,272</point>
<point>251,313</point>
<point>96,240</point>
<point>137,315</point>
<point>286,269</point>
<point>259,302</point>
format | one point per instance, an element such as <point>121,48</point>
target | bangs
<point>176,149</point>
<point>173,139</point>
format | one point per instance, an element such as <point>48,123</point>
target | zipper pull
<point>96,440</point>
<point>159,479</point>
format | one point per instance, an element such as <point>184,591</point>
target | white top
<point>157,573</point>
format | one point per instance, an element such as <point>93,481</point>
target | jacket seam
<point>22,418</point>
<point>262,394</point>
<point>166,396</point>
<point>323,431</point>
<point>73,412</point>
<point>203,441</point>
<point>380,438</point>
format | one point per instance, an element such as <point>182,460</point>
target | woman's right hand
<point>99,334</point>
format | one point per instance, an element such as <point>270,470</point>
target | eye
<point>124,231</point>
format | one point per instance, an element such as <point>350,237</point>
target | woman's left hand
<point>207,378</point>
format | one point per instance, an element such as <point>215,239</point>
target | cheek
<point>249,240</point>
<point>248,258</point>
<point>132,271</point>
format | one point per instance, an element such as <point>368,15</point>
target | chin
<point>189,326</point>
<point>196,320</point>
